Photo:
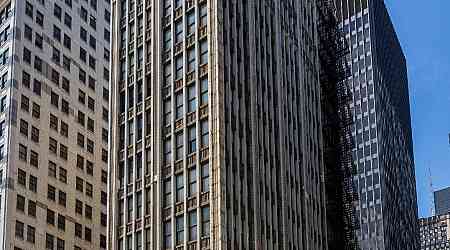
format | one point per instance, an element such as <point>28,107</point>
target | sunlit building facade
<point>216,126</point>
<point>54,58</point>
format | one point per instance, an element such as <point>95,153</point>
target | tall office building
<point>54,59</point>
<point>435,232</point>
<point>387,209</point>
<point>442,201</point>
<point>216,132</point>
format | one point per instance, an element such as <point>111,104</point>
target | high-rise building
<point>435,232</point>
<point>216,126</point>
<point>54,58</point>
<point>442,201</point>
<point>383,152</point>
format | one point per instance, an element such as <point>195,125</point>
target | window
<point>31,232</point>
<point>79,207</point>
<point>25,103</point>
<point>19,229</point>
<point>87,234</point>
<point>89,189</point>
<point>26,79</point>
<point>62,198</point>
<point>22,152</point>
<point>39,18</point>
<point>28,33</point>
<point>81,118</point>
<point>32,183</point>
<point>23,128</point>
<point>91,83</point>
<point>55,77</point>
<point>167,234</point>
<point>83,14</point>
<point>26,55</point>
<point>103,198</point>
<point>62,175</point>
<point>34,159</point>
<point>179,184</point>
<point>205,178</point>
<point>192,139</point>
<point>204,91</point>
<point>20,203</point>
<point>106,35</point>
<point>36,112</point>
<point>90,125</point>
<point>103,219</point>
<point>65,106</point>
<point>61,222</point>
<point>104,177</point>
<point>60,244</point>
<point>52,145</point>
<point>203,53</point>
<point>67,42</point>
<point>88,212</point>
<point>63,151</point>
<point>192,103</point>
<point>51,193</point>
<point>3,104</point>
<point>57,11</point>
<point>192,220</point>
<point>79,184</point>
<point>179,106</point>
<point>93,22</point>
<point>167,189</point>
<point>65,84</point>
<point>66,63</point>
<point>68,20</point>
<point>50,217</point>
<point>49,241</point>
<point>54,99</point>
<point>92,62</point>
<point>21,177</point>
<point>83,55</point>
<point>31,208</point>
<point>83,34</point>
<point>56,33</point>
<point>92,42</point>
<point>192,175</point>
<point>53,122</point>
<point>90,146</point>
<point>38,41</point>
<point>78,230</point>
<point>52,169</point>
<point>64,129</point>
<point>205,221</point>
<point>29,9</point>
<point>37,87</point>
<point>179,222</point>
<point>34,134</point>
<point>179,140</point>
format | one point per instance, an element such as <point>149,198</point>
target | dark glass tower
<point>383,152</point>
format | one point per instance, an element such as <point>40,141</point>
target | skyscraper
<point>216,132</point>
<point>54,58</point>
<point>442,201</point>
<point>383,154</point>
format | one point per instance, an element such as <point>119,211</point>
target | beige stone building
<point>216,126</point>
<point>54,58</point>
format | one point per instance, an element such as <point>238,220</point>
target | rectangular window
<point>192,176</point>
<point>205,178</point>
<point>192,220</point>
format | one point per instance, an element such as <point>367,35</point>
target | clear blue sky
<point>423,28</point>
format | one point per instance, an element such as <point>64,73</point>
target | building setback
<point>442,201</point>
<point>435,232</point>
<point>216,127</point>
<point>54,58</point>
<point>387,209</point>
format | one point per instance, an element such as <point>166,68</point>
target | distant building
<point>442,201</point>
<point>434,232</point>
